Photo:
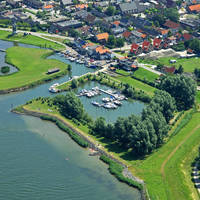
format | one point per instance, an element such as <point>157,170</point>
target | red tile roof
<point>116,23</point>
<point>134,47</point>
<point>126,34</point>
<point>102,36</point>
<point>145,45</point>
<point>194,7</point>
<point>187,36</point>
<point>157,42</point>
<point>171,24</point>
<point>170,70</point>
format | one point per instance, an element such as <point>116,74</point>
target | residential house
<point>186,37</point>
<point>65,3</point>
<point>102,53</point>
<point>65,26</point>
<point>172,26</point>
<point>34,4</point>
<point>81,6</point>
<point>157,43</point>
<point>48,8</point>
<point>137,37</point>
<point>194,8</point>
<point>134,7</point>
<point>127,65</point>
<point>147,46</point>
<point>102,37</point>
<point>136,49</point>
<point>169,70</point>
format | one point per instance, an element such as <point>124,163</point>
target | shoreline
<point>126,173</point>
<point>33,84</point>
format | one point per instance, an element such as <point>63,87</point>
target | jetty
<point>2,50</point>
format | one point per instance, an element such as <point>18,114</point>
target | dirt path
<point>174,151</point>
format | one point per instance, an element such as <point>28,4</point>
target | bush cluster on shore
<point>117,169</point>
<point>64,128</point>
<point>5,69</point>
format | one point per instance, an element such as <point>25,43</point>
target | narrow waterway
<point>38,161</point>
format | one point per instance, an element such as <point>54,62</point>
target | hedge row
<point>183,122</point>
<point>63,127</point>
<point>116,170</point>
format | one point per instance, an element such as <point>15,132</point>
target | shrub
<point>5,69</point>
<point>78,139</point>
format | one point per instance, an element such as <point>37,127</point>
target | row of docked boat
<point>90,93</point>
<point>109,105</point>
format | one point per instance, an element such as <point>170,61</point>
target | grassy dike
<point>32,65</point>
<point>30,39</point>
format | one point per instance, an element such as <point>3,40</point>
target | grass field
<point>145,74</point>
<point>32,65</point>
<point>138,85</point>
<point>189,64</point>
<point>30,39</point>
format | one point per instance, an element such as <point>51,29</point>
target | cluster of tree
<point>71,107</point>
<point>111,10</point>
<point>159,18</point>
<point>114,42</point>
<point>182,88</point>
<point>193,44</point>
<point>197,73</point>
<point>73,33</point>
<point>140,134</point>
<point>131,92</point>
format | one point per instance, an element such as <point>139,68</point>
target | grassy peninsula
<point>30,39</point>
<point>32,65</point>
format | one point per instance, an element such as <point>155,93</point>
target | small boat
<point>106,99</point>
<point>118,103</point>
<point>95,103</point>
<point>53,90</point>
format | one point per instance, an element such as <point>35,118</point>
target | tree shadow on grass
<point>115,148</point>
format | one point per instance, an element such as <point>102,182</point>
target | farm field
<point>29,72</point>
<point>30,39</point>
<point>189,64</point>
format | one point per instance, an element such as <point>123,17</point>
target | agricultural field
<point>30,39</point>
<point>189,64</point>
<point>29,72</point>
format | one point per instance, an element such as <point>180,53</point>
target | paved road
<point>149,69</point>
<point>40,34</point>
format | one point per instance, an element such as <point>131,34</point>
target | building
<point>157,43</point>
<point>34,4</point>
<point>194,8</point>
<point>102,37</point>
<point>147,46</point>
<point>65,3</point>
<point>65,26</point>
<point>135,49</point>
<point>174,27</point>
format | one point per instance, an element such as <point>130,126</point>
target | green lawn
<point>32,65</point>
<point>136,84</point>
<point>189,64</point>
<point>145,74</point>
<point>30,39</point>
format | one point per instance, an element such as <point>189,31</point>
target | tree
<point>164,102</point>
<point>172,14</point>
<point>99,126</point>
<point>197,73</point>
<point>74,83</point>
<point>180,70</point>
<point>182,88</point>
<point>119,42</point>
<point>69,105</point>
<point>111,40</point>
<point>110,10</point>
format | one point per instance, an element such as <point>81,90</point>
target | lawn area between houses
<point>30,39</point>
<point>166,172</point>
<point>142,74</point>
<point>189,64</point>
<point>32,65</point>
<point>138,85</point>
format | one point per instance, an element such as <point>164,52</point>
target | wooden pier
<point>2,50</point>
